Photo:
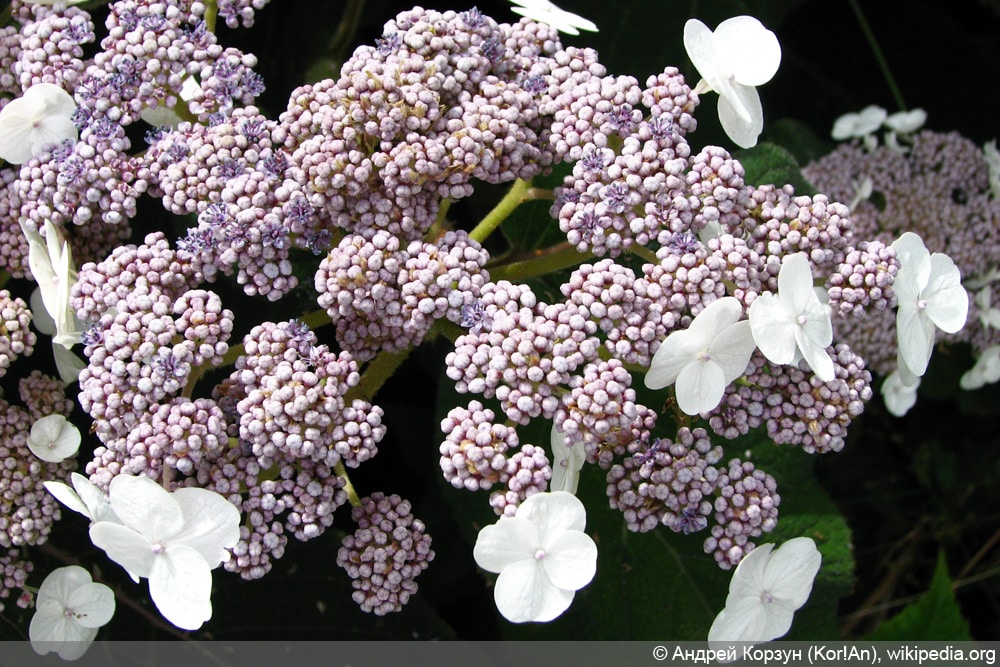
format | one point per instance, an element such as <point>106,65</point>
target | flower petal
<point>552,512</point>
<point>180,584</point>
<point>570,560</point>
<point>750,53</point>
<point>508,541</point>
<point>773,328</point>
<point>914,258</point>
<point>898,396</point>
<point>124,546</point>
<point>742,621</point>
<point>93,605</point>
<point>146,507</point>
<point>523,592</point>
<point>61,583</point>
<point>700,387</point>
<point>566,463</point>
<point>211,524</point>
<point>68,497</point>
<point>741,114</point>
<point>795,282</point>
<point>790,572</point>
<point>915,335</point>
<point>748,577</point>
<point>732,350</point>
<point>675,352</point>
<point>947,300</point>
<point>699,42</point>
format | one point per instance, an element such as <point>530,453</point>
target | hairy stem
<point>559,256</point>
<point>517,195</point>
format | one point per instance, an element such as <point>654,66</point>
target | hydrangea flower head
<point>541,554</point>
<point>930,295</point>
<point>704,358</point>
<point>39,118</point>
<point>544,11</point>
<point>793,323</point>
<point>69,609</point>
<point>173,539</point>
<point>767,588</point>
<point>739,56</point>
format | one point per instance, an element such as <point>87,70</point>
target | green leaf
<point>768,163</point>
<point>935,616</point>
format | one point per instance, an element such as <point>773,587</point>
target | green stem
<point>352,495</point>
<point>560,256</point>
<point>645,253</point>
<point>517,195</point>
<point>877,52</point>
<point>211,12</point>
<point>378,371</point>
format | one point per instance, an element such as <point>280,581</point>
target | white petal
<point>39,316</point>
<point>68,497</point>
<point>791,570</point>
<point>815,355</point>
<point>68,364</point>
<point>914,257</point>
<point>523,592</point>
<point>700,46</point>
<point>947,300</point>
<point>506,542</point>
<point>795,283</point>
<point>715,317</point>
<point>61,583</point>
<point>146,507</point>
<point>566,463</point>
<point>570,560</point>
<point>915,335</point>
<point>553,512</point>
<point>700,387</point>
<point>180,584</point>
<point>741,114</point>
<point>211,523</point>
<point>748,577</point>
<point>93,605</point>
<point>743,621</point>
<point>750,52</point>
<point>898,396</point>
<point>732,350</point>
<point>124,546</point>
<point>676,351</point>
<point>54,632</point>
<point>773,329</point>
<point>906,122</point>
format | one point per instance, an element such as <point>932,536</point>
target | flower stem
<point>352,495</point>
<point>554,258</point>
<point>877,52</point>
<point>517,195</point>
<point>211,12</point>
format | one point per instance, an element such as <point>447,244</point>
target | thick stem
<point>352,495</point>
<point>560,256</point>
<point>517,195</point>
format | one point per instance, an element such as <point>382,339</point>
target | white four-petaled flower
<point>767,588</point>
<point>173,539</point>
<point>930,295</point>
<point>544,11</point>
<point>739,56</point>
<point>793,323</point>
<point>69,609</point>
<point>541,554</point>
<point>53,438</point>
<point>704,358</point>
<point>41,117</point>
<point>859,124</point>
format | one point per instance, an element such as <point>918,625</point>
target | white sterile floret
<point>906,122</point>
<point>705,358</point>
<point>69,609</point>
<point>930,295</point>
<point>53,439</point>
<point>544,11</point>
<point>51,263</point>
<point>986,371</point>
<point>173,539</point>
<point>767,588</point>
<point>899,397</point>
<point>40,118</point>
<point>566,463</point>
<point>739,56</point>
<point>541,554</point>
<point>793,323</point>
<point>83,497</point>
<point>858,125</point>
